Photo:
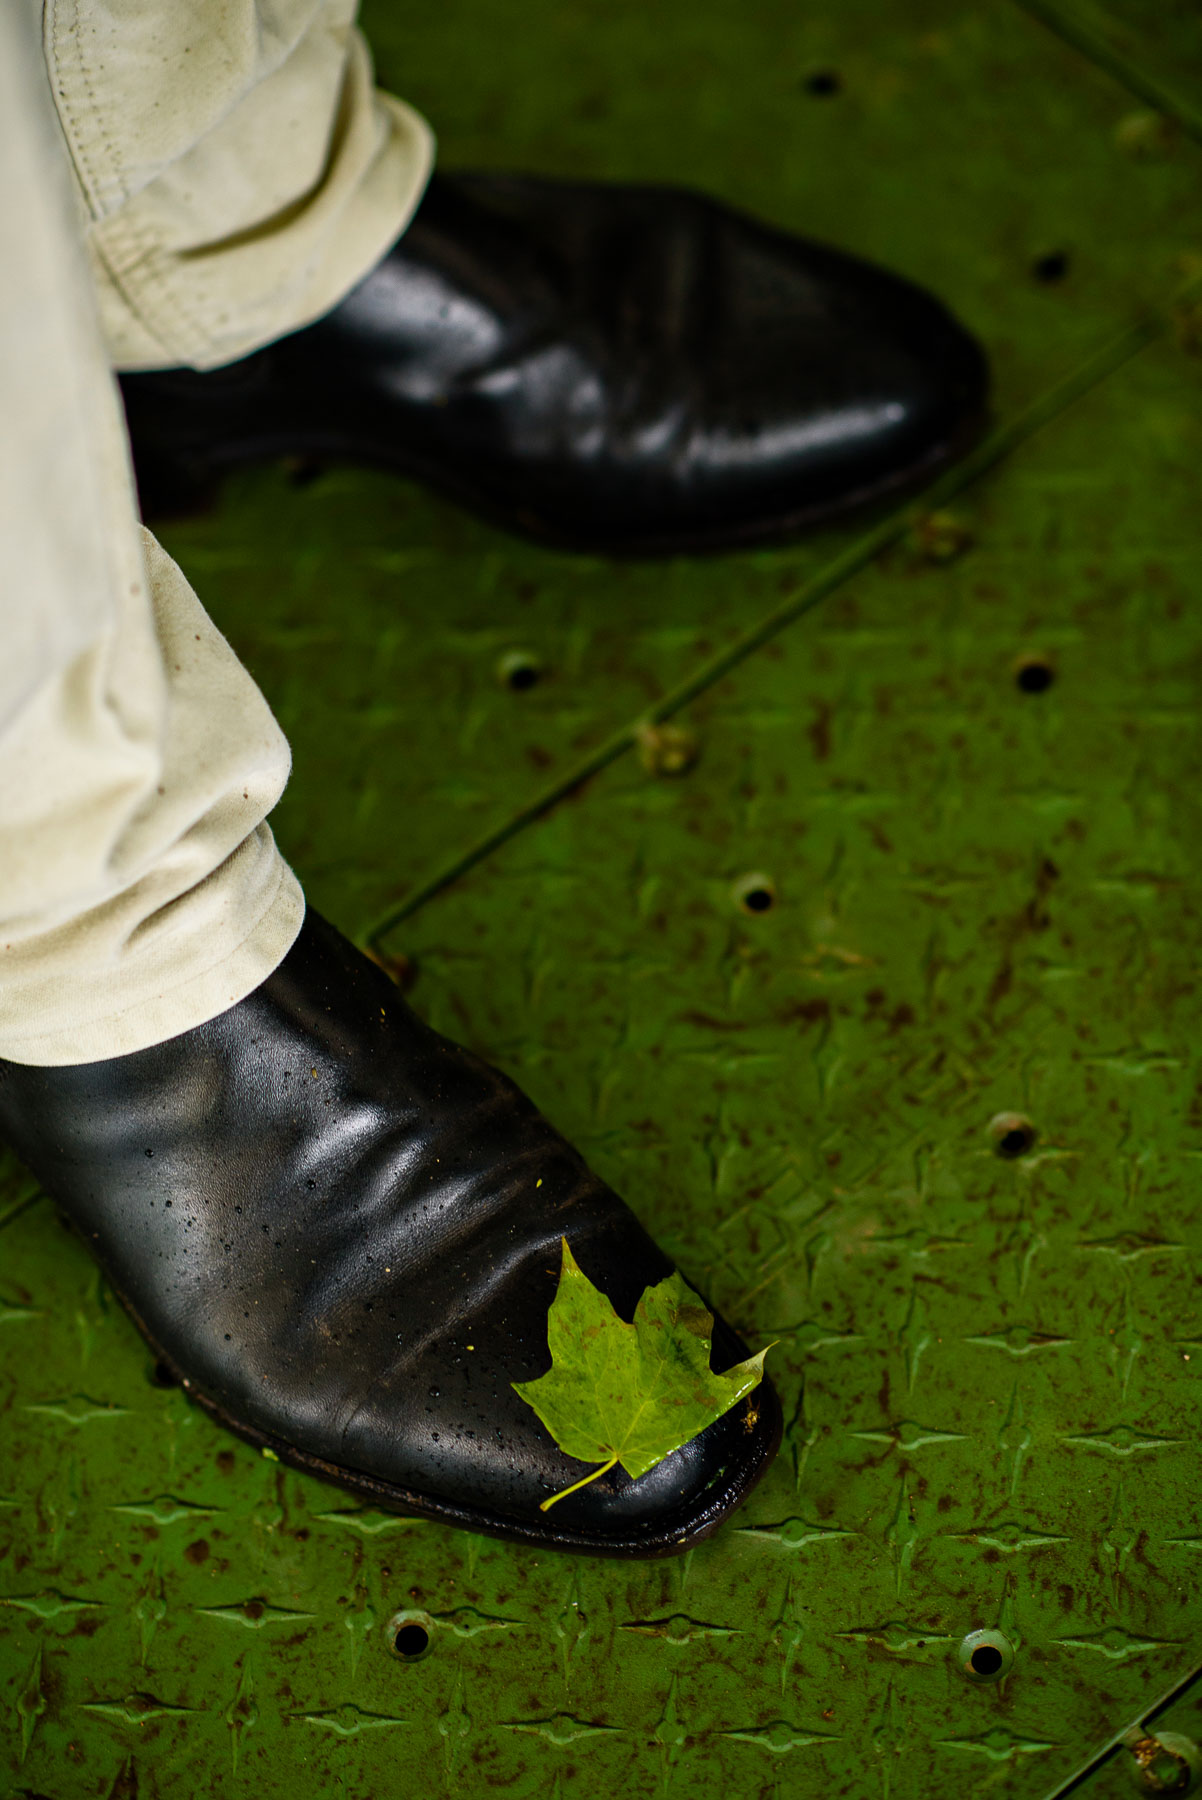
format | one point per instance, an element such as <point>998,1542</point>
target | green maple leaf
<point>630,1394</point>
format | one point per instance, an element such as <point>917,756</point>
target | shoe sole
<point>186,486</point>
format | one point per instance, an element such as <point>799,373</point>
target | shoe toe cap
<point>684,1498</point>
<point>836,380</point>
<point>450,1436</point>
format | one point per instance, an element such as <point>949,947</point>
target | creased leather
<point>326,1218</point>
<point>623,368</point>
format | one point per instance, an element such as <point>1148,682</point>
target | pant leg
<point>236,170</point>
<point>141,891</point>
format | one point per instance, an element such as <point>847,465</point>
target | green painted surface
<point>983,904</point>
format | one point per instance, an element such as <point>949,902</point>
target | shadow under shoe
<point>324,1218</point>
<point>626,369</point>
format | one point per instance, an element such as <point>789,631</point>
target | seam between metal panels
<point>997,446</point>
<point>1137,1727</point>
<point>1092,43</point>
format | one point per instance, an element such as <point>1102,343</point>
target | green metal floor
<point>961,762</point>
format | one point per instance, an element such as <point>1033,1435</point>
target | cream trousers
<point>180,182</point>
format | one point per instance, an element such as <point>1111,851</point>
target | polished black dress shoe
<point>342,1233</point>
<point>618,369</point>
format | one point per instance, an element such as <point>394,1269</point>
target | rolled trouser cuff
<point>163,981</point>
<point>235,181</point>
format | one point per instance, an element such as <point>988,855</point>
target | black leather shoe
<point>622,369</point>
<point>324,1219</point>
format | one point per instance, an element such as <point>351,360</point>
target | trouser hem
<point>167,1008</point>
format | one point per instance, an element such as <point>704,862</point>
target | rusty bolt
<point>667,749</point>
<point>1167,1763</point>
<point>1145,135</point>
<point>940,537</point>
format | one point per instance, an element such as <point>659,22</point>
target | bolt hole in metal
<point>987,1661</point>
<point>986,1655</point>
<point>755,893</point>
<point>1051,267</point>
<point>1013,1135</point>
<point>519,670</point>
<point>823,83</point>
<point>410,1635</point>
<point>1034,675</point>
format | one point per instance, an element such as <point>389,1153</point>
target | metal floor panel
<point>981,887</point>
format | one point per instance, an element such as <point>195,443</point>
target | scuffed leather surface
<point>328,1219</point>
<point>620,367</point>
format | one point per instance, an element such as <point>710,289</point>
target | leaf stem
<point>601,1469</point>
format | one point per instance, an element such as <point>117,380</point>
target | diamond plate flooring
<point>838,900</point>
